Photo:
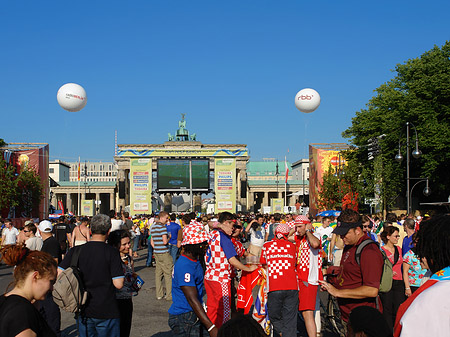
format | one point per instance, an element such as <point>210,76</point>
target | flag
<point>244,293</point>
<point>260,309</point>
<point>287,170</point>
<point>79,170</point>
<point>61,206</point>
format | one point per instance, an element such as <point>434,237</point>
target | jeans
<point>136,243</point>
<point>96,327</point>
<point>126,316</point>
<point>173,250</point>
<point>392,300</point>
<point>282,307</point>
<point>187,324</point>
<point>148,263</point>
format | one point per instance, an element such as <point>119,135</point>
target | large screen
<point>173,174</point>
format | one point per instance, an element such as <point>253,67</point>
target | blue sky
<point>232,67</point>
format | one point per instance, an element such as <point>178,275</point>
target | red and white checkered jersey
<point>280,258</point>
<point>291,224</point>
<point>217,266</point>
<point>240,250</point>
<point>309,261</point>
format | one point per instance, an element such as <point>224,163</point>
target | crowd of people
<point>195,255</point>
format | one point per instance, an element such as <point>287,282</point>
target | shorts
<point>307,296</point>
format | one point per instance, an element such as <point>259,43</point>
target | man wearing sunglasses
<point>32,242</point>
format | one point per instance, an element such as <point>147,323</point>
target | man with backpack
<point>355,284</point>
<point>101,270</point>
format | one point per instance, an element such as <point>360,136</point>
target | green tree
<point>8,185</point>
<point>419,94</point>
<point>29,191</point>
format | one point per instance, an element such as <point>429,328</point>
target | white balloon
<point>307,100</point>
<point>71,97</point>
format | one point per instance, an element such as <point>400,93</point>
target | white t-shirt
<point>34,243</point>
<point>10,235</point>
<point>116,224</point>
<point>322,232</point>
<point>257,237</point>
<point>429,313</point>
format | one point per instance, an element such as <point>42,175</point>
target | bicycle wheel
<point>334,315</point>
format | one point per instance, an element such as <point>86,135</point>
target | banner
<point>320,160</point>
<point>237,152</point>
<point>140,186</point>
<point>225,184</point>
<point>87,207</point>
<point>277,205</point>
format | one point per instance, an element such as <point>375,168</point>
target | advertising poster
<point>140,186</point>
<point>320,160</point>
<point>87,207</point>
<point>225,184</point>
<point>277,205</point>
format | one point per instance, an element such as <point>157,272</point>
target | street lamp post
<point>416,154</point>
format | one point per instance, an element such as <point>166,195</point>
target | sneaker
<point>160,298</point>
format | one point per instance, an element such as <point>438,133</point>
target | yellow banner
<point>140,186</point>
<point>277,205</point>
<point>236,152</point>
<point>225,185</point>
<point>87,207</point>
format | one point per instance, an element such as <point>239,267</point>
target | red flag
<point>61,206</point>
<point>287,170</point>
<point>79,170</point>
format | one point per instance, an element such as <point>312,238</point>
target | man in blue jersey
<point>186,314</point>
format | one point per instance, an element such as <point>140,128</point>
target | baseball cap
<point>282,230</point>
<point>302,219</point>
<point>343,227</point>
<point>193,234</point>
<point>45,226</point>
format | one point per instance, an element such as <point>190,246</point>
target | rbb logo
<point>305,97</point>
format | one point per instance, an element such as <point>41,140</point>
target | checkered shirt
<point>280,258</point>
<point>304,257</point>
<point>217,266</point>
<point>291,224</point>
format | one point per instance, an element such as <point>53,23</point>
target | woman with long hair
<point>34,276</point>
<point>120,239</point>
<point>394,297</point>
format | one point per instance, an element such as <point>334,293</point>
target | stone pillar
<point>96,204</point>
<point>69,202</point>
<point>168,202</point>
<point>111,201</point>
<point>266,201</point>
<point>197,203</point>
<point>250,201</point>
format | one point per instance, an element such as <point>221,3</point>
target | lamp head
<point>399,157</point>
<point>426,191</point>
<point>416,153</point>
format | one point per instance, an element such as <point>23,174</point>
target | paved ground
<point>149,316</point>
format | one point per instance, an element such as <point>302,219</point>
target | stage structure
<point>150,175</point>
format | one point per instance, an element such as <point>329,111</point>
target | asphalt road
<point>149,314</point>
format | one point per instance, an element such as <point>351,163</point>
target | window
<point>51,170</point>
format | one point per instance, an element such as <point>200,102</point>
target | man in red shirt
<point>309,265</point>
<point>279,256</point>
<point>356,285</point>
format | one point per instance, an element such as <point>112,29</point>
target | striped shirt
<point>157,231</point>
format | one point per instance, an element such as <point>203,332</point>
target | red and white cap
<point>302,219</point>
<point>193,234</point>
<point>282,230</point>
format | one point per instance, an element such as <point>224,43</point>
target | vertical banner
<point>140,186</point>
<point>87,207</point>
<point>225,184</point>
<point>277,205</point>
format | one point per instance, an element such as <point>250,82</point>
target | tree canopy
<point>419,94</point>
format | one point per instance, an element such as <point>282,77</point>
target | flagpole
<point>285,181</point>
<point>78,178</point>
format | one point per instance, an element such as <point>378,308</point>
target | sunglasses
<point>25,231</point>
<point>237,226</point>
